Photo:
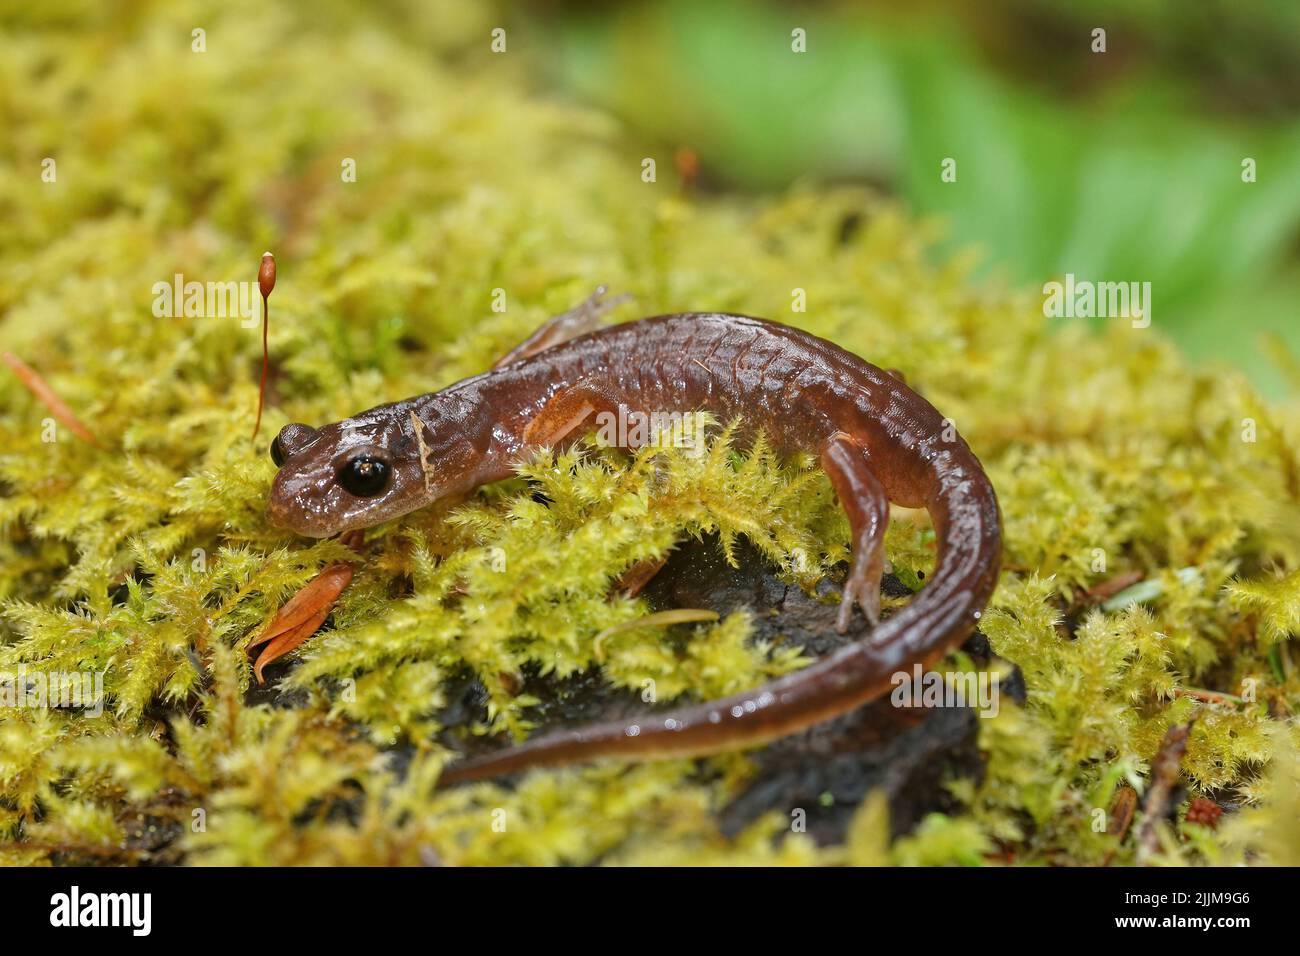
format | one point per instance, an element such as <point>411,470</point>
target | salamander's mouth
<point>287,516</point>
<point>326,522</point>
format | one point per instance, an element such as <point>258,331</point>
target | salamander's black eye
<point>364,476</point>
<point>277,453</point>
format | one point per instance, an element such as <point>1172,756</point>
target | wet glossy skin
<point>877,439</point>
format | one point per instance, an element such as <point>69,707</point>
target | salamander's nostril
<point>292,439</point>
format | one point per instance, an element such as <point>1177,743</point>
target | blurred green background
<point>1116,166</point>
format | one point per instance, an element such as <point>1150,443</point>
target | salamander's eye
<point>364,476</point>
<point>277,453</point>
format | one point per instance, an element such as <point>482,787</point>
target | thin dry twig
<point>1105,590</point>
<point>1121,811</point>
<point>33,382</point>
<point>684,615</point>
<point>1208,696</point>
<point>1121,818</point>
<point>636,577</point>
<point>1164,777</point>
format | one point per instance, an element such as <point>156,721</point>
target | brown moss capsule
<point>266,275</point>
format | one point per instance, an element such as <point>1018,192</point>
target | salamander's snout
<point>297,494</point>
<point>279,513</point>
<point>292,439</point>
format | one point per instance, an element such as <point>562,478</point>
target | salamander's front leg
<point>582,318</point>
<point>863,498</point>
<point>563,416</point>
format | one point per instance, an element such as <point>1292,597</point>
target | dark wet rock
<point>825,771</point>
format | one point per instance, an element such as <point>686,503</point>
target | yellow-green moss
<point>151,560</point>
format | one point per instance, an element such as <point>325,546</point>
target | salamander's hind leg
<point>863,498</point>
<point>582,318</point>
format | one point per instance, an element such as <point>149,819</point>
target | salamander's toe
<point>863,589</point>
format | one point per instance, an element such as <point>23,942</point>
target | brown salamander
<point>878,441</point>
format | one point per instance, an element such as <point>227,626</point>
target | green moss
<point>151,561</point>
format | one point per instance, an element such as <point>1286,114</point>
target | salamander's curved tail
<point>964,510</point>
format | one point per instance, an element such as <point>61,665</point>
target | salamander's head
<point>361,471</point>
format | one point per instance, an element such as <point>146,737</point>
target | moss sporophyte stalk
<point>149,559</point>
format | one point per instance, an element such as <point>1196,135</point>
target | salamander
<point>877,440</point>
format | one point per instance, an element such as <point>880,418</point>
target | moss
<point>152,562</point>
